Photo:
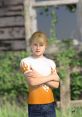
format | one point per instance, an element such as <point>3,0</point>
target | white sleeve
<point>21,62</point>
<point>52,64</point>
<point>24,61</point>
<point>24,65</point>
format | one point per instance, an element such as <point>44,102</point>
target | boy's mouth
<point>37,51</point>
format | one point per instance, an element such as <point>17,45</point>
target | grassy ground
<point>74,112</point>
<point>14,110</point>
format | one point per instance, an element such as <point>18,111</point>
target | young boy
<point>41,76</point>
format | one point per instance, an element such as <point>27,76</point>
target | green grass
<point>15,110</point>
<point>72,112</point>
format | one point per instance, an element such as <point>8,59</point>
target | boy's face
<point>38,49</point>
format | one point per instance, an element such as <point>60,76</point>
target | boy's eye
<point>35,44</point>
<point>41,44</point>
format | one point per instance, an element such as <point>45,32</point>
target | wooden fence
<point>12,31</point>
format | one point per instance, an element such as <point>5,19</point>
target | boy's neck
<point>34,56</point>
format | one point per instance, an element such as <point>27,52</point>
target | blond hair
<point>39,37</point>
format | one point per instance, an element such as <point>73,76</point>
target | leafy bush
<point>76,85</point>
<point>67,59</point>
<point>12,81</point>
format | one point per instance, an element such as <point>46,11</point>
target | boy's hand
<point>54,75</point>
<point>33,74</point>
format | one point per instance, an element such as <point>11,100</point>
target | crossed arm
<point>34,79</point>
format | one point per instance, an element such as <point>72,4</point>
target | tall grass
<point>72,112</point>
<point>14,110</point>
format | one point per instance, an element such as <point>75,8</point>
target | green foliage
<point>76,85</point>
<point>64,57</point>
<point>72,7</point>
<point>53,25</point>
<point>12,110</point>
<point>78,60</point>
<point>68,58</point>
<point>71,112</point>
<point>12,81</point>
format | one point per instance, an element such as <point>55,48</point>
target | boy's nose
<point>38,46</point>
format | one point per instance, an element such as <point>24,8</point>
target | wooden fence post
<point>30,21</point>
<point>28,28</point>
<point>65,92</point>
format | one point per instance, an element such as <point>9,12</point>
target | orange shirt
<point>39,95</point>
